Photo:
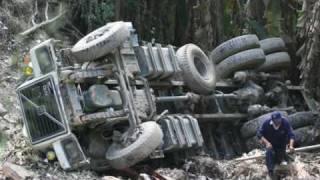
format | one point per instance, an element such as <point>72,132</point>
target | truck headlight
<point>27,71</point>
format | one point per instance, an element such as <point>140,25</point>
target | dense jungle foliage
<point>206,23</point>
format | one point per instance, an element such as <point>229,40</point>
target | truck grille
<point>42,115</point>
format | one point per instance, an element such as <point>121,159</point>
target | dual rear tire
<point>239,53</point>
<point>248,53</point>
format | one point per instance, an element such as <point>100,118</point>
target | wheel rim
<point>201,68</point>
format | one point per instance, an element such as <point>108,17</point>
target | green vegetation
<point>3,142</point>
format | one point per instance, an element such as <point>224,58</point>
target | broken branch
<point>35,14</point>
<point>45,23</point>
<point>16,172</point>
<point>42,24</point>
<point>46,11</point>
<point>301,149</point>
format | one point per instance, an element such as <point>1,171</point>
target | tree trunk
<point>310,50</point>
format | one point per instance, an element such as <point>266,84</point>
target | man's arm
<point>260,133</point>
<point>266,142</point>
<point>291,148</point>
<point>291,136</point>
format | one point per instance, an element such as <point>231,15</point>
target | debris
<point>144,176</point>
<point>259,156</point>
<point>156,175</point>
<point>200,165</point>
<point>3,111</point>
<point>175,173</point>
<point>109,178</point>
<point>16,172</point>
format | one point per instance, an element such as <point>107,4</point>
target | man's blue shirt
<point>279,138</point>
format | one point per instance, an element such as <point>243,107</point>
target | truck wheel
<point>100,42</point>
<point>234,46</point>
<point>304,136</point>
<point>248,59</point>
<point>150,137</point>
<point>198,71</point>
<point>272,45</point>
<point>251,127</point>
<point>275,61</point>
<point>253,143</point>
<point>301,119</point>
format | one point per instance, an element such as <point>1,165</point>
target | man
<point>275,133</point>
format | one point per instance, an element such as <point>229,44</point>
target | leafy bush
<point>91,14</point>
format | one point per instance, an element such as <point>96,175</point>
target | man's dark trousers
<point>274,156</point>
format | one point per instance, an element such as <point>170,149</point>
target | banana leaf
<point>273,16</point>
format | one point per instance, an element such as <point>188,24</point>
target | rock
<point>177,174</point>
<point>11,118</point>
<point>16,172</point>
<point>144,176</point>
<point>3,111</point>
<point>204,166</point>
<point>109,178</point>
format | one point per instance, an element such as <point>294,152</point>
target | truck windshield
<point>45,60</point>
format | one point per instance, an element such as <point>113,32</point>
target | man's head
<point>276,118</point>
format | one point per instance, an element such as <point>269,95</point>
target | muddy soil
<point>303,166</point>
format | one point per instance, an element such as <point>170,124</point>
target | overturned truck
<point>111,101</point>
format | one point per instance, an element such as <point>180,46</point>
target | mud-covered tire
<point>304,136</point>
<point>253,143</point>
<point>198,71</point>
<point>149,139</point>
<point>110,36</point>
<point>248,59</point>
<point>272,45</point>
<point>301,119</point>
<point>234,46</point>
<point>275,61</point>
<point>251,127</point>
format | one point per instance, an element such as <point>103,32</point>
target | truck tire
<point>198,71</point>
<point>301,119</point>
<point>275,61</point>
<point>253,143</point>
<point>248,59</point>
<point>100,42</point>
<point>250,128</point>
<point>272,45</point>
<point>149,139</point>
<point>234,46</point>
<point>304,136</point>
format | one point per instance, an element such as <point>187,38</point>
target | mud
<point>303,166</point>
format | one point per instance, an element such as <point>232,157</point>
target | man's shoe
<point>272,176</point>
<point>283,163</point>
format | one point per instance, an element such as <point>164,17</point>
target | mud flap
<point>181,132</point>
